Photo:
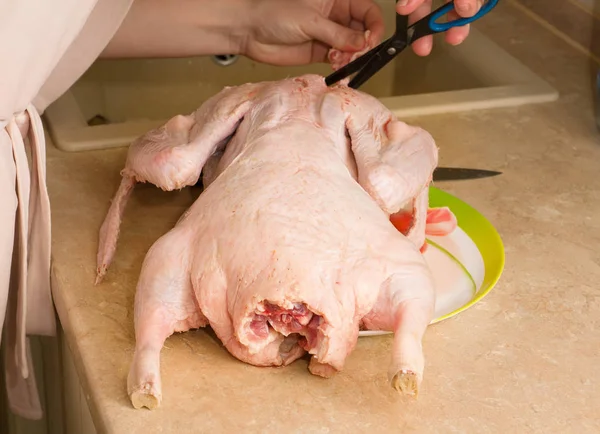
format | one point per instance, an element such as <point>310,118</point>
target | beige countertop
<point>525,359</point>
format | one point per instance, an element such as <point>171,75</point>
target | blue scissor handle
<point>442,27</point>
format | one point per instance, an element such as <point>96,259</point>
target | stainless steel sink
<point>118,100</point>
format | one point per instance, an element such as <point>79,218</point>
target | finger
<point>333,34</point>
<point>467,8</point>
<point>319,53</point>
<point>369,13</point>
<point>407,7</point>
<point>357,25</point>
<point>422,46</point>
<point>456,35</point>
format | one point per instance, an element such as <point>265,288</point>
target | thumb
<point>335,35</point>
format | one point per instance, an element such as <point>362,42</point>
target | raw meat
<point>290,248</point>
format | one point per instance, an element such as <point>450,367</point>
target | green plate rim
<point>484,235</point>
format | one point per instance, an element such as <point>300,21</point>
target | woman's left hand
<point>278,32</point>
<point>298,32</point>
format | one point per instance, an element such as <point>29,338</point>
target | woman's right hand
<point>417,9</point>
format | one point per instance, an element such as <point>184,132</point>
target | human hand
<point>417,9</point>
<point>297,32</point>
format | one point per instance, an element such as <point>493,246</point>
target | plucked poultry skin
<point>290,248</point>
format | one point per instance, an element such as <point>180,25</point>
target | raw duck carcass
<point>289,249</point>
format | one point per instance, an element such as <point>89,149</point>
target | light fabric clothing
<point>45,46</point>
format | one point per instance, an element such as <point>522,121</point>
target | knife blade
<point>461,173</point>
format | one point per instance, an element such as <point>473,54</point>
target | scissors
<point>371,62</point>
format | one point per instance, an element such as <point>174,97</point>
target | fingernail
<point>463,8</point>
<point>358,41</point>
<point>401,2</point>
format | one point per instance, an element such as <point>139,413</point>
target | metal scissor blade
<point>386,53</point>
<point>460,173</point>
<point>352,67</point>
<point>375,59</point>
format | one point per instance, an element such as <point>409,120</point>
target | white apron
<point>45,46</point>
